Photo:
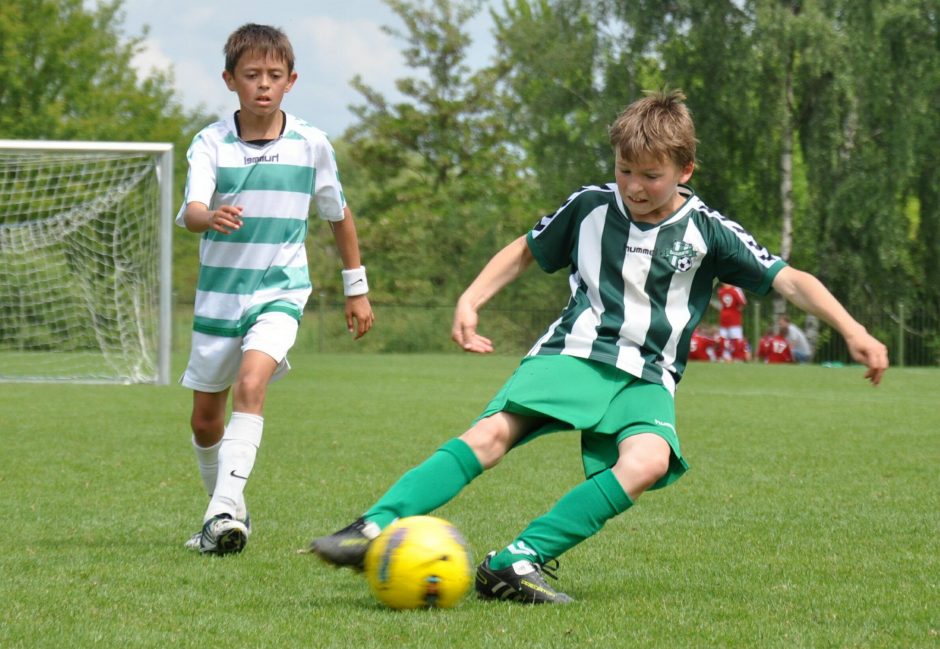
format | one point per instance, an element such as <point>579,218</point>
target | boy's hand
<point>225,219</point>
<point>869,351</point>
<point>464,331</point>
<point>359,316</point>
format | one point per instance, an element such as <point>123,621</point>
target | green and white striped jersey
<point>638,290</point>
<point>263,265</point>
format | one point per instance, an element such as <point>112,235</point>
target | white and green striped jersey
<point>638,290</point>
<point>263,265</point>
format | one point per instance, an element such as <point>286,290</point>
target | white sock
<point>237,452</point>
<point>208,459</point>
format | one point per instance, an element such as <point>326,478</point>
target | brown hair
<point>262,40</point>
<point>659,125</point>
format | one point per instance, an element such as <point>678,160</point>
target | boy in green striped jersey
<point>251,179</point>
<point>643,254</point>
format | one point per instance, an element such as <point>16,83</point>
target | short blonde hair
<point>262,40</point>
<point>658,125</point>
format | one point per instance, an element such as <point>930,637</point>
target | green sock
<point>579,514</point>
<point>429,485</point>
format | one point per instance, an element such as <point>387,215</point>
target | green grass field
<point>810,518</point>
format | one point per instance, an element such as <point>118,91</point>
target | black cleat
<point>520,582</point>
<point>347,547</point>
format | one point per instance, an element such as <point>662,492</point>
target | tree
<point>859,144</point>
<point>556,107</point>
<point>910,32</point>
<point>65,74</point>
<point>433,177</point>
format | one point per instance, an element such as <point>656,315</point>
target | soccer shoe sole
<point>325,556</point>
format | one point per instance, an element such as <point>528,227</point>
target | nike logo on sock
<point>235,475</point>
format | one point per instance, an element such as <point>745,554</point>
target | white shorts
<point>214,361</point>
<point>731,333</point>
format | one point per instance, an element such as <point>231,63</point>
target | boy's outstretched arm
<point>505,266</point>
<point>808,293</point>
<point>359,316</point>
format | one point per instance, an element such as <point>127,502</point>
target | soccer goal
<point>85,255</point>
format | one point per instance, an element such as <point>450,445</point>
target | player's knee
<point>489,441</point>
<point>652,468</point>
<point>656,467</point>
<point>206,426</point>
<point>248,394</point>
<point>642,470</point>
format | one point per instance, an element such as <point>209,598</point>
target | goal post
<point>85,261</point>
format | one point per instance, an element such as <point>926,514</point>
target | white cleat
<point>223,535</point>
<point>195,541</point>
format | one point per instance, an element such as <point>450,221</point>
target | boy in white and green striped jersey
<point>251,179</point>
<point>643,254</point>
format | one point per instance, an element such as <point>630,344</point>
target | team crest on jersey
<point>681,255</point>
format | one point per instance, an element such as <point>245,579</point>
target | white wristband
<point>354,282</point>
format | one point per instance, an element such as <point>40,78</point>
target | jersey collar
<point>235,128</point>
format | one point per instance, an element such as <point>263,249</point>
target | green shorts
<point>606,404</point>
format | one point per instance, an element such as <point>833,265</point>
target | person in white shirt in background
<point>799,345</point>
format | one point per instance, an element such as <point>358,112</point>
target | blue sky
<point>333,41</point>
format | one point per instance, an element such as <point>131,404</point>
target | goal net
<point>85,230</point>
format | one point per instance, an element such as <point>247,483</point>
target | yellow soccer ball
<point>419,562</point>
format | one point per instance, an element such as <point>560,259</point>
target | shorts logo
<point>681,256</point>
<point>665,424</point>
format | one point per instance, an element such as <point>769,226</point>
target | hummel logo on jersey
<point>680,255</point>
<point>649,252</point>
<point>250,160</point>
